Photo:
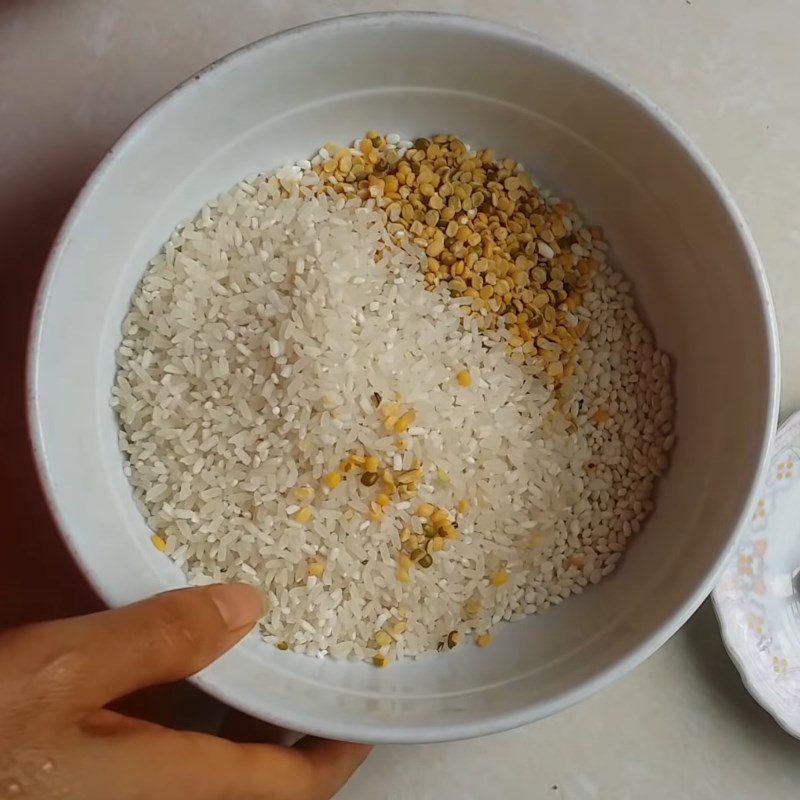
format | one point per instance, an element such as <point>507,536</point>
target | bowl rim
<point>388,732</point>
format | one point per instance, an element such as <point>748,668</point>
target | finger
<point>163,764</point>
<point>170,636</point>
<point>333,762</point>
<point>106,722</point>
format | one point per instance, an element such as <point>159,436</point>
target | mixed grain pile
<point>400,389</point>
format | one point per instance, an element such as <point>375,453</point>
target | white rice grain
<point>250,357</point>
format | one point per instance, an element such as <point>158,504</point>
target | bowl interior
<point>587,140</point>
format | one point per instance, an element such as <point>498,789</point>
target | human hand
<point>57,739</point>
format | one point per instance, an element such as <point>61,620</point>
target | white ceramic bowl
<point>672,227</point>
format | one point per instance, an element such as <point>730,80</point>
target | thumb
<point>170,636</point>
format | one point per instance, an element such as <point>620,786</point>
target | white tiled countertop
<point>74,73</point>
